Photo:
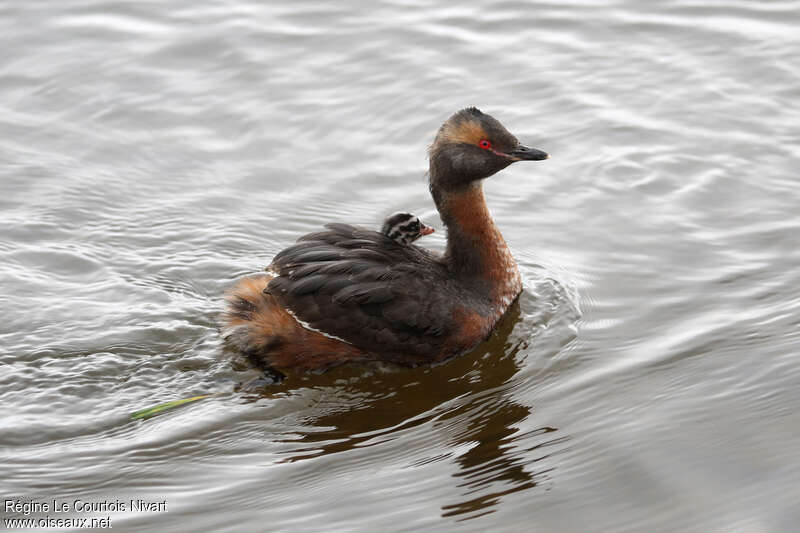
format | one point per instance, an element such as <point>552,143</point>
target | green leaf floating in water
<point>152,411</point>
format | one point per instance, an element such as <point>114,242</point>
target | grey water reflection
<point>475,410</point>
<point>152,153</point>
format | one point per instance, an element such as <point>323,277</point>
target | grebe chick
<point>405,228</point>
<point>350,294</point>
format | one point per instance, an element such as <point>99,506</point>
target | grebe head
<point>471,146</point>
<point>405,228</point>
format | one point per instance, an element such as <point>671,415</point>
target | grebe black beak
<point>523,153</point>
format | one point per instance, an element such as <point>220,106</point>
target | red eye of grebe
<point>485,144</point>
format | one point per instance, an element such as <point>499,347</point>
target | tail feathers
<point>241,321</point>
<point>256,324</point>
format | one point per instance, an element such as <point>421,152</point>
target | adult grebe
<point>351,294</point>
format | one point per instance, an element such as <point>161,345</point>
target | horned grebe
<point>351,294</point>
<point>405,228</point>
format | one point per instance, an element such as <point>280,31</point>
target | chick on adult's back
<point>349,294</point>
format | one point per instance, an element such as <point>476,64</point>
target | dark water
<point>647,380</point>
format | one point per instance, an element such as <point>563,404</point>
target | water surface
<point>647,379</point>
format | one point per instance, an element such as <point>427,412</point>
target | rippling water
<point>647,380</point>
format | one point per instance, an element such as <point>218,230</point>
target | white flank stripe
<point>308,326</point>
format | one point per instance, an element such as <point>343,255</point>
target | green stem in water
<point>156,409</point>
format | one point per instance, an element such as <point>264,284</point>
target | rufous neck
<point>475,247</point>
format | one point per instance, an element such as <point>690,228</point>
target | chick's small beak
<point>425,230</point>
<point>523,153</point>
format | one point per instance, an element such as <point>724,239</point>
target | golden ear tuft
<point>466,131</point>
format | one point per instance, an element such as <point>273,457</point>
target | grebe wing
<point>366,289</point>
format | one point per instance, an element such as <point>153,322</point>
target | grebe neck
<point>475,247</point>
